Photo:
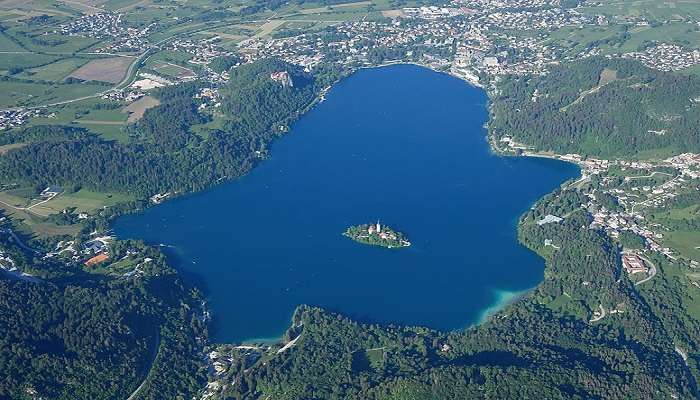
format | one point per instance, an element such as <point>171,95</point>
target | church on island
<point>378,235</point>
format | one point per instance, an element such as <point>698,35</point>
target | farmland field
<point>24,60</point>
<point>55,71</point>
<point>32,94</point>
<point>111,70</point>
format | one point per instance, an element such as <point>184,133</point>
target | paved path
<point>647,176</point>
<point>288,345</point>
<point>650,199</point>
<point>602,315</point>
<point>32,206</point>
<point>136,392</point>
<point>652,270</point>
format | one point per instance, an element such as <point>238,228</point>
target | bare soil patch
<point>111,70</point>
<point>5,148</point>
<point>393,13</point>
<point>139,107</point>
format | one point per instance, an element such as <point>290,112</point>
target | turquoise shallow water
<point>401,144</point>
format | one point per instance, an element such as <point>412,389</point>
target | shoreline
<point>503,298</point>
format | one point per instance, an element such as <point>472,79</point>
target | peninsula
<point>377,235</point>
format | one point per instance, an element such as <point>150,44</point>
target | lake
<point>403,145</point>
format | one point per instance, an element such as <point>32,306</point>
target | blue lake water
<point>401,144</point>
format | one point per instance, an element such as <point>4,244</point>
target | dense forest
<point>164,153</point>
<point>67,334</point>
<point>541,347</point>
<point>601,107</point>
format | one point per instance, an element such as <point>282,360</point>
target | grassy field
<point>27,221</point>
<point>83,200</point>
<point>37,42</point>
<point>7,147</point>
<point>30,94</point>
<point>694,70</point>
<point>33,221</point>
<point>176,57</point>
<point>56,71</point>
<point>32,225</point>
<point>170,69</point>
<point>7,44</point>
<point>106,122</point>
<point>651,9</point>
<point>685,34</point>
<point>16,198</point>
<point>686,242</point>
<point>108,131</point>
<point>24,60</point>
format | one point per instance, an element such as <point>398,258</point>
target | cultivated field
<point>111,70</point>
<point>55,71</point>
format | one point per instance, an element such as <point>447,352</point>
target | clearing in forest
<point>606,76</point>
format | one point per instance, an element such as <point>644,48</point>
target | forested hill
<point>165,153</point>
<point>68,334</point>
<point>601,107</point>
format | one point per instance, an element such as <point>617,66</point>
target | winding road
<point>652,270</point>
<point>156,346</point>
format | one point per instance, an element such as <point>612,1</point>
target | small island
<point>377,235</point>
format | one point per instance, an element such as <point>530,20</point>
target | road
<point>128,77</point>
<point>647,176</point>
<point>652,270</point>
<point>33,205</point>
<point>602,315</point>
<point>288,345</point>
<point>643,203</point>
<point>136,392</point>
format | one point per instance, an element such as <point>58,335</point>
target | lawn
<point>108,131</point>
<point>686,242</point>
<point>103,115</point>
<point>175,57</point>
<point>170,69</point>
